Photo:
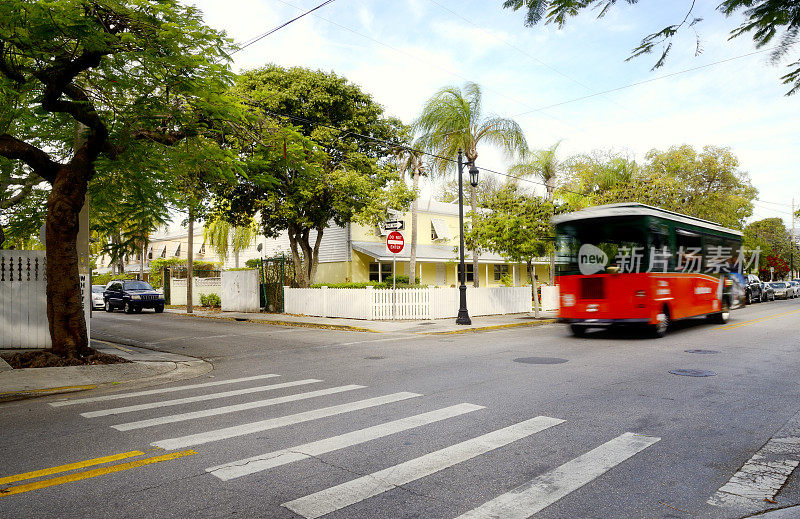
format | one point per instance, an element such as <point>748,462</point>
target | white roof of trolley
<point>637,209</point>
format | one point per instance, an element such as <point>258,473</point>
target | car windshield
<point>137,285</point>
<point>778,285</point>
<point>98,288</point>
<point>609,243</point>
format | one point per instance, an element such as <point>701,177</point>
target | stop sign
<point>395,242</point>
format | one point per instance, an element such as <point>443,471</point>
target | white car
<point>97,297</point>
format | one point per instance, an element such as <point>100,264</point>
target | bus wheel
<point>722,316</point>
<point>661,327</point>
<point>577,331</point>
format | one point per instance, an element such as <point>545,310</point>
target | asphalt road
<point>425,426</point>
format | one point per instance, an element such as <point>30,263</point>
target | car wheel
<point>109,308</point>
<point>159,309</point>
<point>138,309</point>
<point>723,315</point>
<point>749,299</point>
<point>662,326</point>
<point>128,308</point>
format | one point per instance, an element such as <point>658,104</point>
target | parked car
<point>753,290</point>
<point>781,290</point>
<point>132,296</point>
<point>795,288</point>
<point>767,292</point>
<point>97,297</point>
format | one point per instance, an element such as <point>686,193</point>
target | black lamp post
<point>463,315</point>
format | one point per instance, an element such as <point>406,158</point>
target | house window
<point>500,271</point>
<point>439,229</point>
<point>470,272</point>
<point>379,271</point>
<point>178,251</point>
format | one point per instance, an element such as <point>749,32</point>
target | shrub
<point>506,280</point>
<point>210,300</point>
<point>238,269</point>
<point>251,263</point>
<point>103,279</point>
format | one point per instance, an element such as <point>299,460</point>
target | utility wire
<point>279,27</point>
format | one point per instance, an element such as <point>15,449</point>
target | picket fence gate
<point>404,303</point>
<point>23,300</point>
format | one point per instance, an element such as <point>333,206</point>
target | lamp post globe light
<point>463,315</point>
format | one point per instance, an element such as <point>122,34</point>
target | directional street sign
<point>395,242</point>
<point>394,225</point>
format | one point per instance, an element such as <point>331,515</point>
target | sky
<point>403,51</point>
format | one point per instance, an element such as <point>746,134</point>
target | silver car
<point>782,289</point>
<point>796,286</point>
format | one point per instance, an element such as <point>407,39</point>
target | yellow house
<point>358,253</point>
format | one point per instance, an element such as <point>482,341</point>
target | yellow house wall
<point>334,272</point>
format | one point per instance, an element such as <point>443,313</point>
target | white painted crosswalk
<point>216,411</point>
<point>541,492</point>
<point>270,460</point>
<point>346,494</point>
<point>517,503</point>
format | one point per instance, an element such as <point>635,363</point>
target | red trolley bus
<point>631,263</point>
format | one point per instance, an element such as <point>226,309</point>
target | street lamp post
<point>463,315</point>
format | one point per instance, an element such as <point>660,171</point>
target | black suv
<point>753,291</point>
<point>132,296</point>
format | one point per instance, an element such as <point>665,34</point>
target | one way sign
<point>394,225</point>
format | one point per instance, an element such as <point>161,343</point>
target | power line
<point>251,41</point>
<point>638,83</point>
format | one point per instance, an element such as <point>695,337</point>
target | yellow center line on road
<point>754,321</point>
<point>71,466</point>
<point>10,491</point>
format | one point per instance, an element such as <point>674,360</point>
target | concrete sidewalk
<point>147,367</point>
<point>427,326</point>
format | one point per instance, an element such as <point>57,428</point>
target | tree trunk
<point>141,262</point>
<point>190,263</point>
<point>473,200</point>
<point>550,191</point>
<point>236,258</point>
<point>64,309</point>
<point>300,274</point>
<point>315,256</point>
<point>412,262</point>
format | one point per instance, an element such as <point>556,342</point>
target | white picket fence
<point>404,303</point>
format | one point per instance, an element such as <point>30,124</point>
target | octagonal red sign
<point>395,242</point>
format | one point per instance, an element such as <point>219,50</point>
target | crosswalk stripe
<point>140,424</point>
<point>199,398</point>
<point>354,491</point>
<point>236,469</point>
<point>766,472</point>
<point>273,423</point>
<point>541,492</point>
<point>117,396</point>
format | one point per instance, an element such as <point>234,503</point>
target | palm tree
<point>224,238</point>
<point>452,120</point>
<point>545,165</point>
<point>411,162</point>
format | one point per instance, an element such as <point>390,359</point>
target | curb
<point>493,327</point>
<point>296,324</point>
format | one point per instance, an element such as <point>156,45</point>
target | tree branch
<point>39,161</point>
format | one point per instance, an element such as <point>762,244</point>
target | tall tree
<point>224,238</point>
<point>517,227</point>
<point>321,152</point>
<point>21,197</point>
<point>765,20</point>
<point>542,164</point>
<point>117,73</point>
<point>453,120</point>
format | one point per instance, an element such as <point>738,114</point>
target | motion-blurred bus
<point>631,263</point>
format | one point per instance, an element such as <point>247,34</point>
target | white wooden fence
<point>404,303</point>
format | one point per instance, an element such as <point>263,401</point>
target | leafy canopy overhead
<point>768,21</point>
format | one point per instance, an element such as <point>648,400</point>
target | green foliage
<point>706,185</point>
<point>766,20</point>
<point>238,269</point>
<point>453,119</point>
<point>220,235</point>
<point>23,198</point>
<point>103,279</point>
<point>201,269</point>
<point>506,280</point>
<point>375,284</point>
<point>517,227</point>
<point>301,174</point>
<point>771,236</point>
<point>210,300</point>
<point>252,263</point>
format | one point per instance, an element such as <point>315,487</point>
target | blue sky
<point>403,51</point>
